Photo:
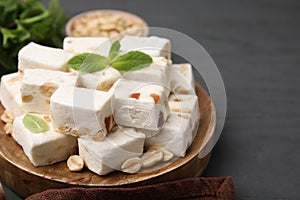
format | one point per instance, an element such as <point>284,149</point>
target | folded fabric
<point>2,197</point>
<point>192,188</point>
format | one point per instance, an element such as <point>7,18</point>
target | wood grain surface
<point>21,176</point>
<point>2,195</point>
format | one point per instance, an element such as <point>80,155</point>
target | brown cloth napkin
<point>191,188</point>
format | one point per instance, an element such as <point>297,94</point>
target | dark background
<point>255,45</point>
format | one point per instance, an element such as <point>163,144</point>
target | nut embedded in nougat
<point>140,105</point>
<point>85,112</point>
<point>38,85</point>
<point>47,89</point>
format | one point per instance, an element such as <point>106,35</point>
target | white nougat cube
<point>182,79</point>
<point>82,112</point>
<point>186,103</point>
<point>101,80</point>
<point>11,94</point>
<point>108,155</point>
<point>157,72</point>
<point>38,85</point>
<point>79,45</point>
<point>140,105</point>
<point>154,46</point>
<point>176,134</point>
<point>43,148</point>
<point>37,56</point>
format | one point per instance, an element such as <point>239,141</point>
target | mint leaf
<point>14,35</point>
<point>114,51</point>
<point>88,62</point>
<point>37,18</point>
<point>133,60</point>
<point>8,10</point>
<point>58,20</point>
<point>23,21</point>
<point>35,124</point>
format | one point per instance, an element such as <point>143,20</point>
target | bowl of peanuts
<point>106,23</point>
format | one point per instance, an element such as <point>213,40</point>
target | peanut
<point>132,165</point>
<point>105,86</point>
<point>184,115</point>
<point>27,99</point>
<point>75,163</point>
<point>167,155</point>
<point>100,136</point>
<point>7,116</point>
<point>63,129</point>
<point>47,118</point>
<point>152,157</point>
<point>47,89</point>
<point>8,128</point>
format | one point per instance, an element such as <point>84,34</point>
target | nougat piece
<point>153,46</point>
<point>37,56</point>
<point>176,134</point>
<point>79,45</point>
<point>182,79</point>
<point>82,112</point>
<point>43,148</point>
<point>157,72</point>
<point>101,80</point>
<point>102,157</point>
<point>11,94</point>
<point>186,103</point>
<point>38,85</point>
<point>140,105</point>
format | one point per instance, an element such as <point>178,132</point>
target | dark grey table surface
<point>256,46</point>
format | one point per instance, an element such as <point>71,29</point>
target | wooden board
<point>23,178</point>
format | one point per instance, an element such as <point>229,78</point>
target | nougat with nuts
<point>38,85</point>
<point>182,79</point>
<point>176,135</point>
<point>82,112</point>
<point>43,148</point>
<point>79,45</point>
<point>186,103</point>
<point>153,46</point>
<point>140,105</point>
<point>100,80</point>
<point>33,56</point>
<point>11,94</point>
<point>102,157</point>
<point>157,72</point>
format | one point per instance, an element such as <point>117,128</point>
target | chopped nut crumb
<point>47,118</point>
<point>27,99</point>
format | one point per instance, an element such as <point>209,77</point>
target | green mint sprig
<point>35,124</point>
<point>91,62</point>
<point>23,21</point>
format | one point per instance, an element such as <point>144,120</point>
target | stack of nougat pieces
<point>108,116</point>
